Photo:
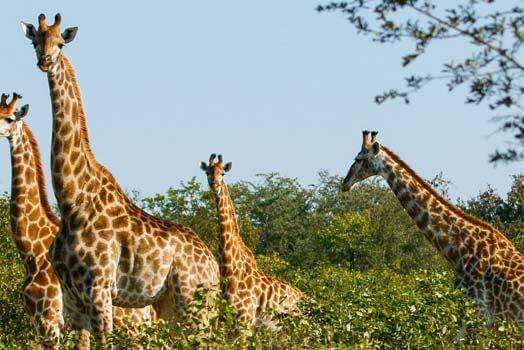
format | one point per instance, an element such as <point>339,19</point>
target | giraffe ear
<point>375,148</point>
<point>69,34</point>
<point>22,112</point>
<point>203,166</point>
<point>29,30</point>
<point>228,166</point>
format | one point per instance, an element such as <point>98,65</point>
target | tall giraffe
<point>108,251</point>
<point>34,227</point>
<point>249,290</point>
<point>486,262</point>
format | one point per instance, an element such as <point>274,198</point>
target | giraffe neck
<point>30,209</point>
<point>450,231</point>
<point>231,245</point>
<point>73,165</point>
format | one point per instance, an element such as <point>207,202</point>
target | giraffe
<point>34,226</point>
<point>108,251</point>
<point>486,262</point>
<point>249,290</point>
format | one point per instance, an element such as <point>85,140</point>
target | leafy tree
<point>506,214</point>
<point>493,69</point>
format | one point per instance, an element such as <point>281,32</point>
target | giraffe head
<point>48,41</point>
<point>10,116</point>
<point>368,161</point>
<point>215,171</point>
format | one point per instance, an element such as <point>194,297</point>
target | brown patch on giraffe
<point>78,168</point>
<point>66,130</point>
<point>414,210</point>
<point>101,223</point>
<point>75,155</point>
<point>115,211</point>
<point>391,177</point>
<point>120,222</point>
<point>104,259</point>
<point>423,221</point>
<point>405,198</point>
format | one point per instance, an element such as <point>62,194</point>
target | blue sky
<point>273,85</point>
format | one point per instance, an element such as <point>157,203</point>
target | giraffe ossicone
<point>253,294</point>
<point>487,264</point>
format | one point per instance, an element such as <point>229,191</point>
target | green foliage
<point>373,309</point>
<point>350,238</point>
<point>371,278</point>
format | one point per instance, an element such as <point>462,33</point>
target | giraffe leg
<point>45,315</point>
<point>80,323</point>
<point>50,334</point>
<point>182,295</point>
<point>246,310</point>
<point>101,326</point>
<point>244,317</point>
<point>490,318</point>
<point>184,289</point>
<point>101,312</point>
<point>77,320</point>
<point>83,341</point>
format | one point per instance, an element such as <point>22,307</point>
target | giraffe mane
<point>80,113</point>
<point>454,209</point>
<point>44,200</point>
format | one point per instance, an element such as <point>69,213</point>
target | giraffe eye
<point>60,45</point>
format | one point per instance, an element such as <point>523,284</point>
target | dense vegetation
<point>374,280</point>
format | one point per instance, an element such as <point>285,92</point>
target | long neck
<point>234,253</point>
<point>72,162</point>
<point>450,231</point>
<point>32,220</point>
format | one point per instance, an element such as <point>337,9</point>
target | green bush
<point>371,278</point>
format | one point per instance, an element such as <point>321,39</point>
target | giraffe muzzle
<point>44,63</point>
